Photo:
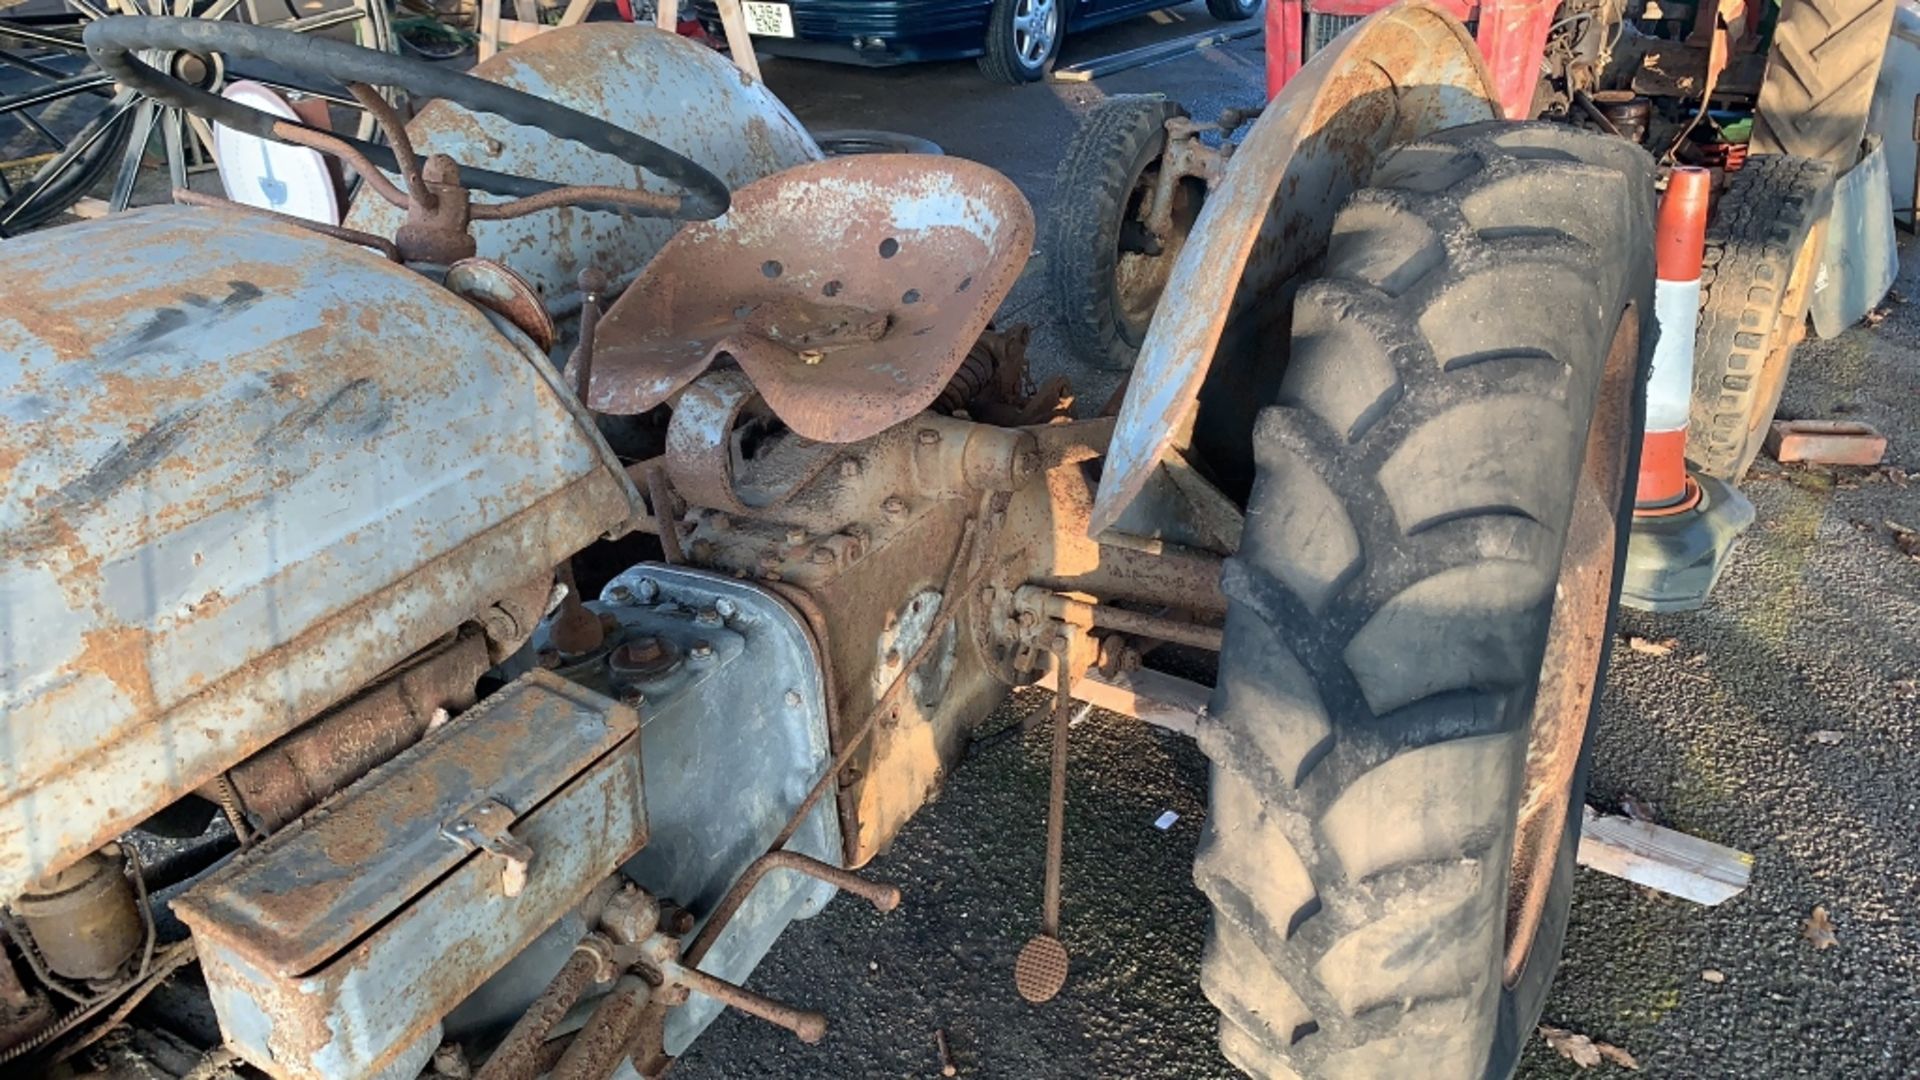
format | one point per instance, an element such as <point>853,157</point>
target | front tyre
<point>1420,609</point>
<point>1023,39</point>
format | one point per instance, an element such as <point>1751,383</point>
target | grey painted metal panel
<point>243,470</point>
<point>393,950</point>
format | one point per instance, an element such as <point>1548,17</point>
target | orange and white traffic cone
<point>1680,244</point>
<point>1684,525</point>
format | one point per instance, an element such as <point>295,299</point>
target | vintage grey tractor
<point>459,641</point>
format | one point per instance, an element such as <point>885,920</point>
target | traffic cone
<point>1685,524</point>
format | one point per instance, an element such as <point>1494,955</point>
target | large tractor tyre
<point>1820,76</point>
<point>1420,610</point>
<point>1763,249</point>
<point>1106,270</point>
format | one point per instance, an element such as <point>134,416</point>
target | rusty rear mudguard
<point>1401,74</point>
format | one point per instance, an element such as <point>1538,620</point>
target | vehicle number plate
<point>768,20</point>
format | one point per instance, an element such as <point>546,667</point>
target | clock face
<point>273,175</point>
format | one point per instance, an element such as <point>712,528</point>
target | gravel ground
<point>1814,628</point>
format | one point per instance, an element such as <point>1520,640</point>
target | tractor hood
<point>242,473</point>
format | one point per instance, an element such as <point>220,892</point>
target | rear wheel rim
<point>1576,642</point>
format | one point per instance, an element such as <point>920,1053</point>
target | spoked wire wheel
<point>54,103</point>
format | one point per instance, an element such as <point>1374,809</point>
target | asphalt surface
<point>1814,628</point>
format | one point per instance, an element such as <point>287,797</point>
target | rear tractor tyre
<point>1106,269</point>
<point>1763,250</point>
<point>1420,610</point>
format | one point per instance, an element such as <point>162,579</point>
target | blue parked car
<point>1016,40</point>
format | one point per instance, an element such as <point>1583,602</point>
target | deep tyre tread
<point>1751,308</point>
<point>1116,141</point>
<point>1390,602</point>
<point>1820,78</point>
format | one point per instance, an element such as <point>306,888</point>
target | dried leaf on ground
<point>1575,1048</point>
<point>1639,809</point>
<point>1617,1056</point>
<point>1583,1051</point>
<point>1819,930</point>
<point>1828,738</point>
<point>1651,647</point>
<point>1713,976</point>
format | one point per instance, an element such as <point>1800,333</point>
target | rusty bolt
<point>708,617</point>
<point>894,506</point>
<point>621,594</point>
<point>891,620</point>
<point>494,146</point>
<point>720,522</point>
<point>1026,619</point>
<point>633,699</point>
<point>703,651</point>
<point>639,652</point>
<point>796,535</point>
<point>893,657</point>
<point>548,658</point>
<point>928,436</point>
<point>793,698</point>
<point>822,555</point>
<point>771,575</point>
<point>702,550</point>
<point>849,467</point>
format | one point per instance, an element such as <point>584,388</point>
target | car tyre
<point>1023,40</point>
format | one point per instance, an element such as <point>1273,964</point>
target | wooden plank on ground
<point>1663,859</point>
<point>1152,696</point>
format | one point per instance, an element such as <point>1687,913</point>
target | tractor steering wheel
<point>113,44</point>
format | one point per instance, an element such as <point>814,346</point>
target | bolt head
<point>793,699</point>
<point>703,651</point>
<point>548,658</point>
<point>719,521</point>
<point>849,467</point>
<point>796,536</point>
<point>633,699</point>
<point>727,608</point>
<point>894,506</point>
<point>893,657</point>
<point>822,555</point>
<point>621,594</point>
<point>648,590</point>
<point>708,617</point>
<point>702,550</point>
<point>928,436</point>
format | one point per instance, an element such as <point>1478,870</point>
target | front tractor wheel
<point>1420,610</point>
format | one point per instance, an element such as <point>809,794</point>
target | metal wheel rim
<point>1576,642</point>
<point>1035,24</point>
<point>186,141</point>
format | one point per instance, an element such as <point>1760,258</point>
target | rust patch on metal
<point>849,290</point>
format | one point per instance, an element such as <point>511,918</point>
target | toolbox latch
<point>484,828</point>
